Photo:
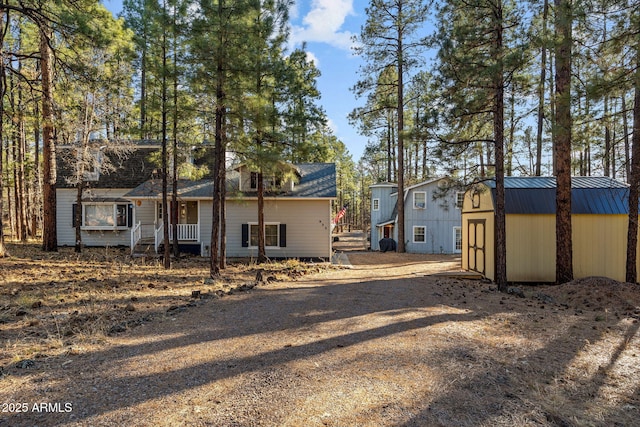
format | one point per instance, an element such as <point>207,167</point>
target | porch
<point>151,236</point>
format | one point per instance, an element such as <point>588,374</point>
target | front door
<point>187,212</point>
<point>476,245</point>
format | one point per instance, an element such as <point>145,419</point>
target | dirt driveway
<point>388,342</point>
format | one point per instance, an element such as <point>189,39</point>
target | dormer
<point>90,161</point>
<point>281,178</point>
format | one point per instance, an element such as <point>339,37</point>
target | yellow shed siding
<point>531,248</point>
<point>599,243</point>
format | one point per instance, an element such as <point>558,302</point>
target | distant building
<point>432,216</point>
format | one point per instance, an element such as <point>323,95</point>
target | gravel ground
<point>389,342</point>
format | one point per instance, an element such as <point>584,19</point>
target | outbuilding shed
<point>599,207</point>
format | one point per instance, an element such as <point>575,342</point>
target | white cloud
<point>333,126</point>
<point>323,24</point>
<point>311,57</point>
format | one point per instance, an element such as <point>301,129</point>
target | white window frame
<point>424,233</point>
<point>255,224</point>
<point>459,199</point>
<point>251,180</point>
<point>114,217</point>
<point>268,181</point>
<point>456,230</point>
<point>375,204</point>
<point>415,203</point>
<point>92,164</point>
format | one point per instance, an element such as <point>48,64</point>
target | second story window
<point>269,182</point>
<point>376,204</point>
<point>419,200</point>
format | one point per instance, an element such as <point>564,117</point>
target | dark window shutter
<point>245,235</point>
<point>283,235</point>
<point>130,216</point>
<point>74,209</point>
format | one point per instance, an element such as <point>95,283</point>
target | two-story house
<point>125,208</point>
<point>432,210</point>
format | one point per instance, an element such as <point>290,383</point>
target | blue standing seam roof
<point>589,195</point>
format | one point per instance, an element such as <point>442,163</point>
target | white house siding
<point>439,218</point>
<point>205,216</point>
<point>145,214</point>
<point>308,226</point>
<point>66,233</point>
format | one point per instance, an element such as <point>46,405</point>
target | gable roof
<point>394,214</point>
<point>130,170</point>
<point>317,180</point>
<point>589,195</point>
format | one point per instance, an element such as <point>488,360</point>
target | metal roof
<point>550,182</point>
<point>589,195</point>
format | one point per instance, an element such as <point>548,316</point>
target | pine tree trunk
<point>3,249</point>
<point>37,183</point>
<point>165,170</point>
<point>174,178</point>
<point>564,245</point>
<point>223,203</point>
<point>218,182</point>
<point>632,236</point>
<point>541,89</point>
<point>22,189</point>
<point>400,113</point>
<point>627,145</point>
<point>78,215</point>
<point>607,139</point>
<point>49,231</point>
<point>262,254</point>
<point>389,153</point>
<point>498,132</point>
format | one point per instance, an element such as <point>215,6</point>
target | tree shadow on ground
<point>540,387</point>
<point>302,308</point>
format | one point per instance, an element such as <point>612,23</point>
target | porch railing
<point>186,232</point>
<point>136,235</point>
<point>158,236</point>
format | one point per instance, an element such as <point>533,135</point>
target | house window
<point>376,204</point>
<point>271,237</point>
<point>419,200</point>
<point>457,239</point>
<point>459,199</point>
<point>419,234</point>
<point>269,182</point>
<point>91,161</point>
<point>275,235</point>
<point>105,215</point>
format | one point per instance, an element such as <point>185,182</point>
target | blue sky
<point>327,26</point>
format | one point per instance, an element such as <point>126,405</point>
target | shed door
<point>476,245</point>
